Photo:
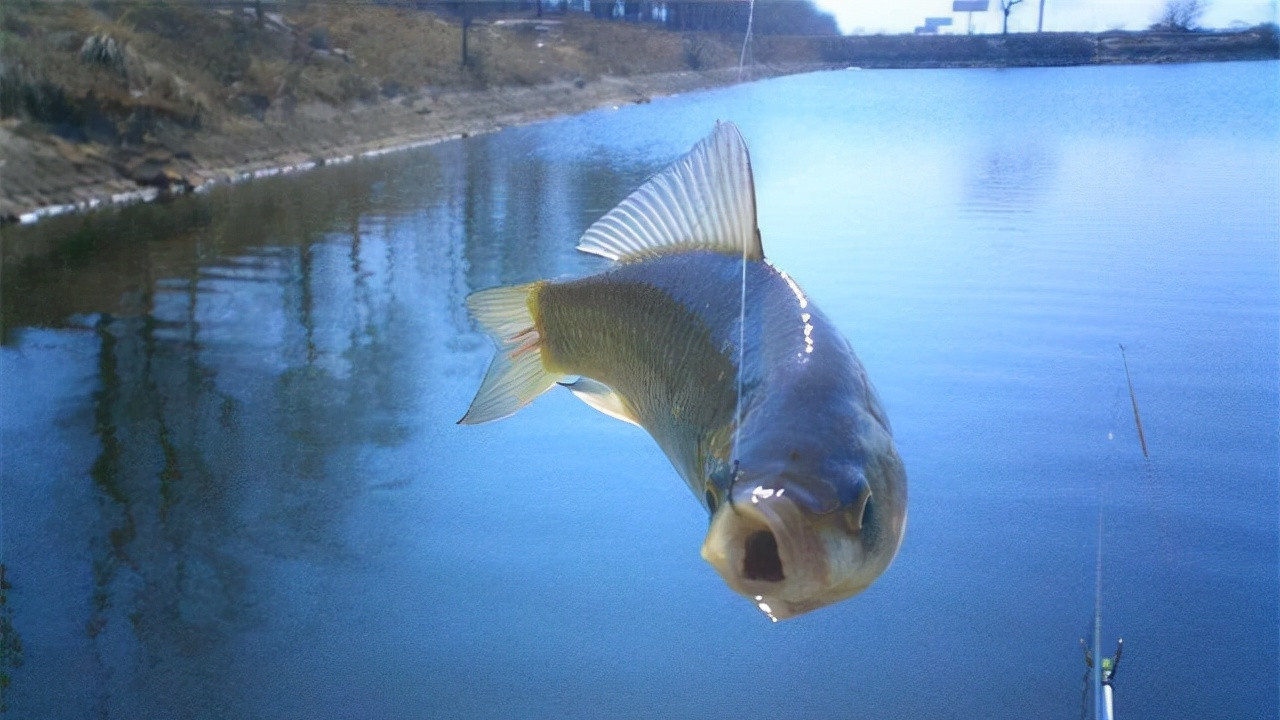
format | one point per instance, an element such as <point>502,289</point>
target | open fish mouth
<point>776,553</point>
<point>760,558</point>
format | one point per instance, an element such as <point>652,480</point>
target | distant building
<point>932,24</point>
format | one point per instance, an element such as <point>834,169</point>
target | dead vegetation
<point>116,94</point>
<point>75,66</point>
<point>148,93</point>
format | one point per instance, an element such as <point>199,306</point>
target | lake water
<point>233,486</point>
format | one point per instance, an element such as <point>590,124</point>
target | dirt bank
<point>46,175</point>
<point>105,103</point>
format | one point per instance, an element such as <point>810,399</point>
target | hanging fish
<point>747,387</point>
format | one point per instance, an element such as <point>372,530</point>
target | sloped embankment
<point>102,101</point>
<point>105,101</point>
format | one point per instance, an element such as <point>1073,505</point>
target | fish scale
<point>664,335</point>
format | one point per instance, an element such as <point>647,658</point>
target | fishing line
<point>1095,677</point>
<point>742,296</point>
<point>746,39</point>
<point>742,349</point>
<point>1093,651</point>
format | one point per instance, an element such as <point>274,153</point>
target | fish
<point>752,393</point>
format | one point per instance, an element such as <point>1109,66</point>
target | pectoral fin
<point>603,398</point>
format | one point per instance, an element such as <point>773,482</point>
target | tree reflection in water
<point>255,349</point>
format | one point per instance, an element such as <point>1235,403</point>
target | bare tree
<point>1180,15</point>
<point>1006,7</point>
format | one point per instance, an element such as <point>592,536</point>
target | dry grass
<point>193,66</point>
<point>99,98</point>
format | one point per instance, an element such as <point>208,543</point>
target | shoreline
<point>453,115</point>
<point>43,175</point>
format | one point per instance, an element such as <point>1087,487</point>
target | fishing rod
<point>1100,678</point>
<point>1137,418</point>
<point>1101,670</point>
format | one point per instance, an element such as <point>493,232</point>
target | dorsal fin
<point>706,200</point>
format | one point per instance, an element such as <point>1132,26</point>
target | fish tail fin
<point>517,375</point>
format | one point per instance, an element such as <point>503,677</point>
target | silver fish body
<point>757,399</point>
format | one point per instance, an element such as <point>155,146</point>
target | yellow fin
<point>602,398</point>
<point>706,200</point>
<point>516,376</point>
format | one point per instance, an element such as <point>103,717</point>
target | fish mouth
<point>760,559</point>
<point>774,552</point>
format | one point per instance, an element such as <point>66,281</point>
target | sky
<point>896,16</point>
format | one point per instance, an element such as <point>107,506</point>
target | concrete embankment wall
<point>1042,49</point>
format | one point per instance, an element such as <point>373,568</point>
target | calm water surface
<point>233,486</point>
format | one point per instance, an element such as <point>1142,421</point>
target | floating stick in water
<point>1137,419</point>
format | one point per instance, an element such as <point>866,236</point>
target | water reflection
<point>10,641</point>
<point>232,485</point>
<point>1009,179</point>
<point>251,351</point>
